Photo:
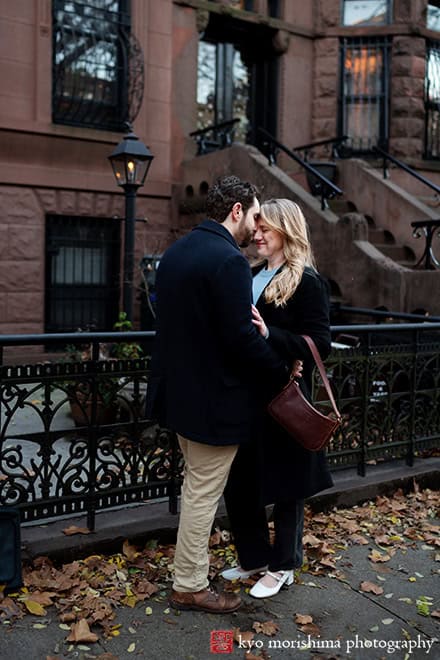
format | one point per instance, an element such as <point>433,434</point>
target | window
<point>97,64</point>
<point>433,15</point>
<point>222,87</point>
<point>364,98</point>
<point>432,100</point>
<point>82,273</point>
<point>246,5</point>
<point>366,12</point>
<point>273,8</point>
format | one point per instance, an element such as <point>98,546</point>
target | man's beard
<point>245,235</point>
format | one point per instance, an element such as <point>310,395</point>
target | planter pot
<point>81,410</point>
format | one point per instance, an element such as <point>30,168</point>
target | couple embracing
<point>226,340</point>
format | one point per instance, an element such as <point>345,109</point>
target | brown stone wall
<point>327,14</point>
<point>152,23</point>
<point>325,106</point>
<point>410,11</point>
<point>186,25</point>
<point>21,261</point>
<point>407,113</point>
<point>22,243</point>
<point>296,93</point>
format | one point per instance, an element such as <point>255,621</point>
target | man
<point>208,355</point>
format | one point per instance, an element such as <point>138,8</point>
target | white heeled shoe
<point>238,573</point>
<point>260,590</point>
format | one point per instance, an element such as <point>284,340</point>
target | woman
<point>290,299</point>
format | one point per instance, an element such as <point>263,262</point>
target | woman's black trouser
<point>250,529</point>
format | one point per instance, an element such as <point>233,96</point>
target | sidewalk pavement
<point>353,624</point>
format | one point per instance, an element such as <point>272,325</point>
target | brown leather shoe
<point>206,600</point>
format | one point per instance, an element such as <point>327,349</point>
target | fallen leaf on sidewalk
<point>268,628</point>
<point>303,618</point>
<point>436,614</point>
<point>129,550</point>
<point>311,629</point>
<point>358,539</point>
<point>243,636</point>
<point>383,539</point>
<point>310,539</point>
<point>371,587</point>
<point>376,556</point>
<point>80,632</point>
<point>69,531</point>
<point>34,607</point>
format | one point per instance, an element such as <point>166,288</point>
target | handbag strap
<point>317,358</point>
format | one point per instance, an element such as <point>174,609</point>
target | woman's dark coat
<point>274,467</point>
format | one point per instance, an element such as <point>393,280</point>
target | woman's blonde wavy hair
<point>286,218</point>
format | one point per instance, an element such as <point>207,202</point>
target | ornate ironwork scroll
<point>427,229</point>
<point>74,439</point>
<point>98,65</point>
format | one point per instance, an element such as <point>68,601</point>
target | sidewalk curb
<point>153,520</point>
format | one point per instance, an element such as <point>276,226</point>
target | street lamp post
<point>131,161</point>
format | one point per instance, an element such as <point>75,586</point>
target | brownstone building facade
<point>75,71</point>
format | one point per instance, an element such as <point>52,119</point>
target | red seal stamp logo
<point>222,641</point>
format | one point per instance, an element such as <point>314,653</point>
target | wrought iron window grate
<point>364,92</point>
<point>98,70</point>
<point>82,273</point>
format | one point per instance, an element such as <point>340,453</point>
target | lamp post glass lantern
<point>130,161</point>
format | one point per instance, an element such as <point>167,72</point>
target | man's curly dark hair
<point>226,192</point>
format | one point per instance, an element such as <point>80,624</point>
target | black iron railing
<point>387,388</point>
<point>74,438</point>
<point>322,186</point>
<point>429,229</point>
<point>336,145</point>
<point>379,315</point>
<point>388,157</point>
<point>215,136</point>
<point>386,381</point>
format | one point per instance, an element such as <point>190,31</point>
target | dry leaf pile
<point>86,593</point>
<point>388,523</point>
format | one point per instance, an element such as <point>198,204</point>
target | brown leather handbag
<point>309,427</point>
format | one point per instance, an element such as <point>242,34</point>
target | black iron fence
<point>74,438</point>
<point>386,380</point>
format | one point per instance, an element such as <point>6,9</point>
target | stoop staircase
<point>382,239</point>
<point>363,241</point>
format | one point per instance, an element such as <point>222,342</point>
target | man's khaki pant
<point>205,475</point>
